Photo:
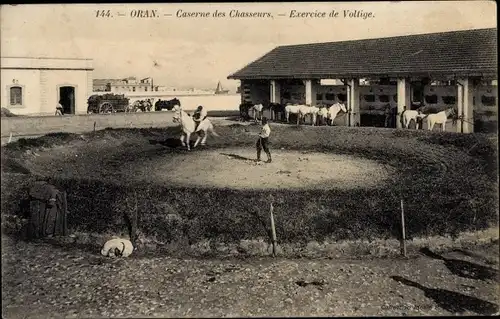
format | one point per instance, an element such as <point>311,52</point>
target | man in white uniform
<point>59,109</point>
<point>263,142</point>
<point>199,115</point>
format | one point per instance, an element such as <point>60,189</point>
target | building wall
<point>40,79</point>
<point>29,81</point>
<point>142,87</point>
<point>90,82</point>
<point>58,78</point>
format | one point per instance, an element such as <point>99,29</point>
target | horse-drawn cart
<point>107,103</point>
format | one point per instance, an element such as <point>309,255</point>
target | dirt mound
<point>237,168</point>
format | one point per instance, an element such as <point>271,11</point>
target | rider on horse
<point>199,115</point>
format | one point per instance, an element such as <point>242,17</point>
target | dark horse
<point>169,105</point>
<point>244,108</point>
<point>277,110</point>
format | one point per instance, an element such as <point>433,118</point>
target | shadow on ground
<point>453,302</point>
<point>464,268</point>
<point>477,256</point>
<point>170,142</point>
<point>10,165</point>
<point>238,157</point>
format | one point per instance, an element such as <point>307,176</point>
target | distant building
<point>34,85</point>
<point>130,84</point>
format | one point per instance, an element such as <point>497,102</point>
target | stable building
<point>34,86</point>
<point>436,70</point>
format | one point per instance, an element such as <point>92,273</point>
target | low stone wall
<point>39,125</point>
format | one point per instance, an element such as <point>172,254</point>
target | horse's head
<point>343,107</point>
<point>177,115</point>
<point>453,111</point>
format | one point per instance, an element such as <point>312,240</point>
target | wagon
<point>107,103</point>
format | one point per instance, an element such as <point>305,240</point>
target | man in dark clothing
<point>263,142</point>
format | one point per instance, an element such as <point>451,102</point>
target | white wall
<point>29,81</point>
<point>223,102</point>
<point>41,78</point>
<point>41,89</point>
<point>75,78</point>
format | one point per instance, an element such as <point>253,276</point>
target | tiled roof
<point>469,52</point>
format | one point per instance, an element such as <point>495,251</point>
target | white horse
<point>409,115</point>
<point>323,114</point>
<point>308,110</point>
<point>292,109</point>
<point>188,127</point>
<point>439,118</point>
<point>257,109</point>
<point>334,110</point>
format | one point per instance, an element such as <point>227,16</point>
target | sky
<point>199,52</point>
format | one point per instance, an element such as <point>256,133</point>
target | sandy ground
<point>41,281</point>
<point>237,168</point>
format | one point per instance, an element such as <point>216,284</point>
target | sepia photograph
<point>249,159</point>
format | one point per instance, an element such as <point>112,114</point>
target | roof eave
<point>475,73</point>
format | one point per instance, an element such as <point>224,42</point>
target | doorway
<point>67,99</point>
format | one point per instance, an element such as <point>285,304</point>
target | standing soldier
<point>263,142</point>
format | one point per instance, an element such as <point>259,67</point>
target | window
<point>342,97</point>
<point>449,99</point>
<point>369,98</point>
<point>383,98</point>
<point>133,89</point>
<point>319,96</point>
<point>156,89</point>
<point>16,95</point>
<point>330,96</point>
<point>488,100</point>
<point>431,99</point>
<point>286,95</point>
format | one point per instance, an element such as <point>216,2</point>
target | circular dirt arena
<point>236,168</point>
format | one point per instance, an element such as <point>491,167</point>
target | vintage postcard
<point>249,159</point>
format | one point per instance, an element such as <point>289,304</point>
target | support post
<point>403,99</point>
<point>467,107</point>
<point>460,106</point>
<point>353,102</point>
<point>275,92</point>
<point>310,92</point>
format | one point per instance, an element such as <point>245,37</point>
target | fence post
<point>273,231</point>
<point>403,233</point>
<point>94,126</point>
